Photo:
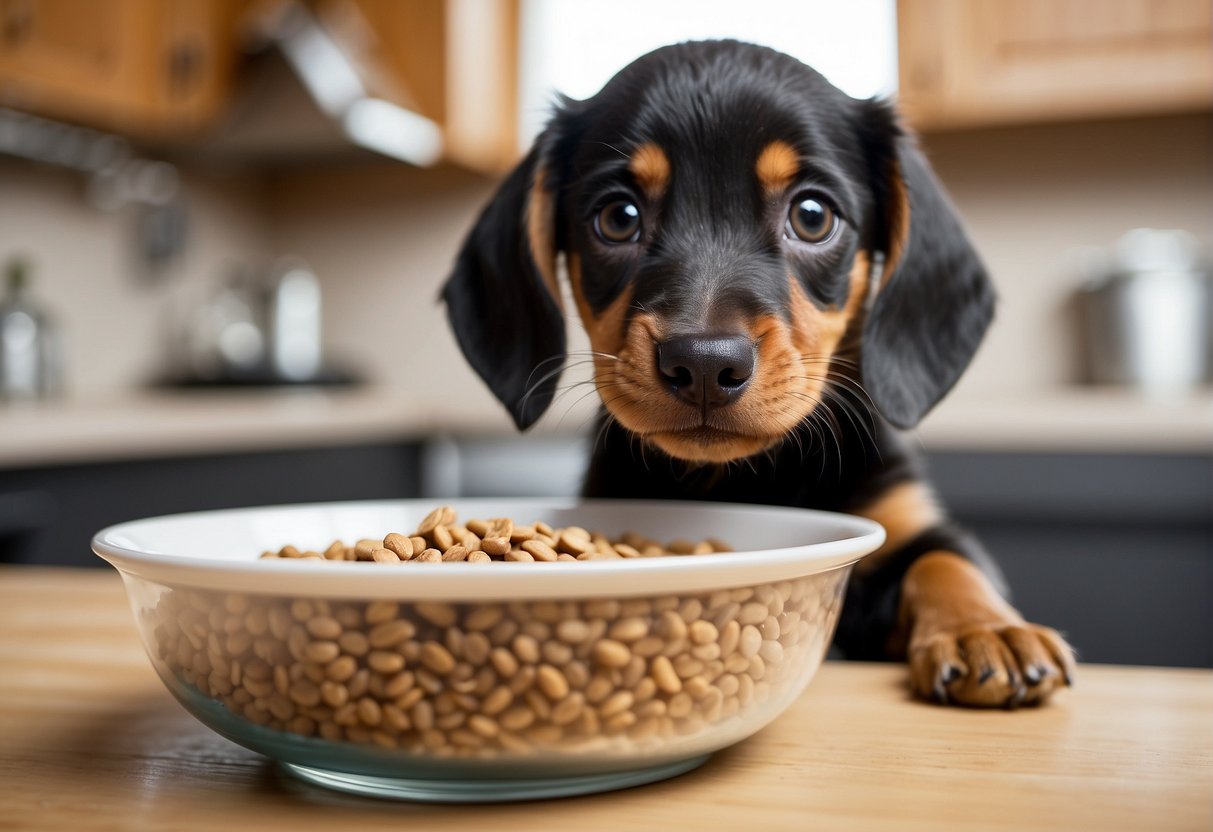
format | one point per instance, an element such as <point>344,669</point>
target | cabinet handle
<point>17,22</point>
<point>184,67</point>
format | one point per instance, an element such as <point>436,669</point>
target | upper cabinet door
<point>136,66</point>
<point>453,61</point>
<point>971,64</point>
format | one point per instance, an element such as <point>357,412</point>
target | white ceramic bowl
<point>460,681</point>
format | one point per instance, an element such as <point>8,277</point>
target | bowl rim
<point>501,581</point>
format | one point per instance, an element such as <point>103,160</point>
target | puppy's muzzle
<point>704,371</point>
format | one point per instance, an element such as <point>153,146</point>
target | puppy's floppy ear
<point>503,300</point>
<point>935,299</point>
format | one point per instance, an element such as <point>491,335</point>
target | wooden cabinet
<point>453,61</point>
<point>973,64</point>
<point>136,66</point>
<point>165,68</point>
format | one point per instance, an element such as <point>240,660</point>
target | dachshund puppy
<point>773,284</point>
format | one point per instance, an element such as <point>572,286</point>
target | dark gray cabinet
<point>49,514</point>
<point>1115,550</point>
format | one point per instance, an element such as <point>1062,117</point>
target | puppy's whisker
<point>534,386</point>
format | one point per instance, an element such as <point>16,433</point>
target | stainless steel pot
<point>1148,309</point>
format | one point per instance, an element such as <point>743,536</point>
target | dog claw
<point>950,674</point>
<point>1034,675</point>
<point>986,673</point>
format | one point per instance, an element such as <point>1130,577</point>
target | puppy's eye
<point>811,220</point>
<point>618,222</point>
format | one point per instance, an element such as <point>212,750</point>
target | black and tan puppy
<point>773,283</point>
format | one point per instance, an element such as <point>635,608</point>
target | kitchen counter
<point>90,740</point>
<point>169,424</point>
<point>149,424</point>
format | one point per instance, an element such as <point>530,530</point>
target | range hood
<point>303,95</point>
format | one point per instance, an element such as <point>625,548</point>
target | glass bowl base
<point>489,791</point>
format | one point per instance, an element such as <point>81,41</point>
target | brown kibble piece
<point>401,545</point>
<point>384,556</point>
<point>497,546</point>
<point>432,520</point>
<point>611,653</point>
<point>437,658</point>
<point>455,554</point>
<point>539,550</point>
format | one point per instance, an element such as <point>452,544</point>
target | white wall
<point>86,275</point>
<point>576,47</point>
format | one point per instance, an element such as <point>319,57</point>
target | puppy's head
<point>721,207</point>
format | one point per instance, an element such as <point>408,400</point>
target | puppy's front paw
<point>989,666</point>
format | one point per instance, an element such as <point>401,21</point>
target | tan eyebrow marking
<point>777,166</point>
<point>651,167</point>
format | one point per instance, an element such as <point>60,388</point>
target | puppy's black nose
<point>707,372</point>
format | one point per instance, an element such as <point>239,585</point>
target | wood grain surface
<point>90,740</point>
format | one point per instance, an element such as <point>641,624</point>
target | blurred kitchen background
<point>224,224</point>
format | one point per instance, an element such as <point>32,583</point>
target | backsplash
<point>84,271</point>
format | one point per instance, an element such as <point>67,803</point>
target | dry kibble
<point>456,553</point>
<point>526,648</point>
<point>497,540</point>
<point>322,652</point>
<point>496,679</point>
<point>573,543</point>
<point>391,633</point>
<point>384,556</point>
<point>385,662</point>
<point>433,519</point>
<point>665,677</point>
<point>495,546</point>
<point>437,658</point>
<point>443,538</point>
<point>573,631</point>
<point>703,632</point>
<point>401,545</point>
<point>610,653</point>
<point>751,640</point>
<point>364,547</point>
<point>539,550</point>
<point>324,627</point>
<point>629,629</point>
<point>378,612</point>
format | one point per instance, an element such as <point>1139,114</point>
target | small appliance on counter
<point>257,332</point>
<point>1147,308</point>
<point>31,365</point>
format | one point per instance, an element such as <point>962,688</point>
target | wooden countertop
<point>90,740</point>
<point>148,424</point>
